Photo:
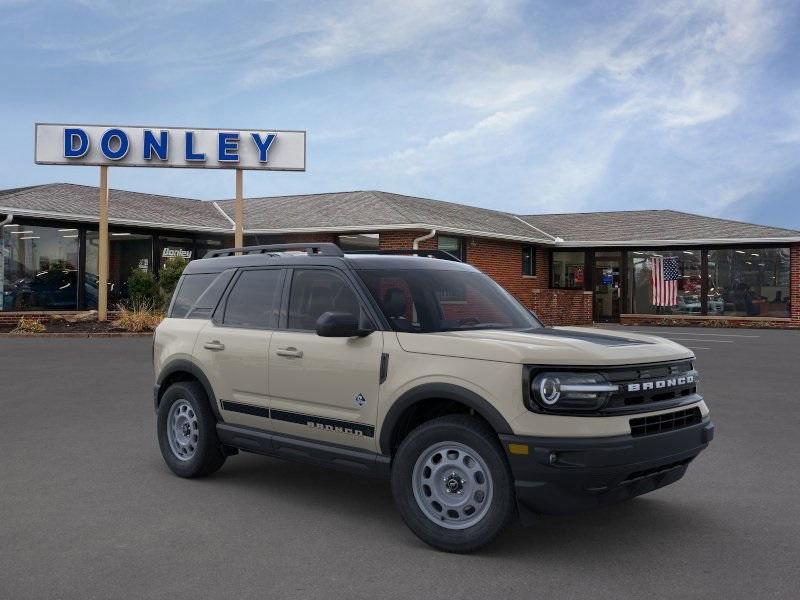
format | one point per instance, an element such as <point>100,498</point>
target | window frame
<point>376,320</point>
<point>218,317</point>
<point>588,262</point>
<point>462,246</point>
<point>533,260</point>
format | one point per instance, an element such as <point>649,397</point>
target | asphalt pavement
<point>89,510</point>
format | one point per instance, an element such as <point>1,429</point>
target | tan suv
<point>422,370</point>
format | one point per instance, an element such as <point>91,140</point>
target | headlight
<point>571,391</point>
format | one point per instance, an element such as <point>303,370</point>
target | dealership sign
<point>193,148</point>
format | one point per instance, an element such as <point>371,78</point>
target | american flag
<point>664,279</point>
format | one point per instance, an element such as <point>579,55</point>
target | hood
<point>547,346</point>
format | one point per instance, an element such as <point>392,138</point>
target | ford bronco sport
<point>422,370</point>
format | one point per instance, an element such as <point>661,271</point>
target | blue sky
<point>556,106</point>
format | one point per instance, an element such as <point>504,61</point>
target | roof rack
<point>441,254</point>
<point>322,248</point>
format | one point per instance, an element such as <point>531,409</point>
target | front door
<point>607,286</point>
<point>324,388</point>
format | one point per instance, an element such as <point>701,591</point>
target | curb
<point>121,334</point>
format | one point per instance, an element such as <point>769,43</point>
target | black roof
<point>298,258</point>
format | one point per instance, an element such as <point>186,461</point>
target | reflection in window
<point>568,270</point>
<point>666,282</point>
<point>453,245</point>
<point>128,252</point>
<point>747,282</point>
<point>39,268</point>
<point>529,260</point>
<point>359,241</point>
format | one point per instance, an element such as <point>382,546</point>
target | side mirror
<point>340,324</point>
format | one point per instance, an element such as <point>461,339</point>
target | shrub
<point>143,288</point>
<point>139,317</point>
<point>26,325</point>
<point>170,274</point>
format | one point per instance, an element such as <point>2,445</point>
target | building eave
<point>111,220</point>
<point>684,242</point>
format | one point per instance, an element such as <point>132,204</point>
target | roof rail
<point>322,248</point>
<point>441,254</point>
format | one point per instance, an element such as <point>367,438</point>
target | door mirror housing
<point>340,324</point>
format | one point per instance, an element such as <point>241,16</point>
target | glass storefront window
<point>205,245</point>
<point>359,241</point>
<point>666,282</point>
<point>128,251</point>
<point>39,268</point>
<point>172,247</point>
<point>568,270</point>
<point>747,282</point>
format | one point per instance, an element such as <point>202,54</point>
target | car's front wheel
<point>187,432</point>
<point>452,483</point>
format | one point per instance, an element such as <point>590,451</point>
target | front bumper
<point>568,475</point>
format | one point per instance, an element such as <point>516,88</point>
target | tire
<point>471,478</point>
<point>187,432</point>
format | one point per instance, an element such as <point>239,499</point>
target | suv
<point>424,371</point>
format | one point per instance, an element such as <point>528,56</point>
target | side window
<point>189,290</point>
<point>317,291</point>
<point>253,301</point>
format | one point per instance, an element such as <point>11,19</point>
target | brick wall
<point>502,261</point>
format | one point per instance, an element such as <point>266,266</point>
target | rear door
<point>324,388</point>
<point>233,346</point>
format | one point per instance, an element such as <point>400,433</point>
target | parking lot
<point>89,510</point>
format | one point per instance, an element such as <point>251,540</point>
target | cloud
<point>472,143</point>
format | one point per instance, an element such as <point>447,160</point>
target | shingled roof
<point>364,211</point>
<point>374,210</point>
<point>79,202</point>
<point>637,226</point>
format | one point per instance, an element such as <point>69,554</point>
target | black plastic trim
<point>288,447</point>
<point>384,372</point>
<point>182,365</point>
<point>530,371</point>
<point>443,391</point>
<point>246,409</point>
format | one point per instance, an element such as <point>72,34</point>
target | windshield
<point>432,300</point>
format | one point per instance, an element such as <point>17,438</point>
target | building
<point>569,268</point>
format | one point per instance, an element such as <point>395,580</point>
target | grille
<point>665,422</point>
<point>665,387</point>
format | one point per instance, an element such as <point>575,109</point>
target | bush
<point>170,274</point>
<point>139,317</point>
<point>26,325</point>
<point>143,288</point>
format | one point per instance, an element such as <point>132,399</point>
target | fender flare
<point>445,391</point>
<point>187,366</point>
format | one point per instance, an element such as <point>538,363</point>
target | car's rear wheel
<point>452,483</point>
<point>187,433</point>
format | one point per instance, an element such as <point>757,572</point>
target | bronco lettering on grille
<point>660,384</point>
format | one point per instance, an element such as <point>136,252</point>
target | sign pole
<point>238,240</point>
<point>102,257</point>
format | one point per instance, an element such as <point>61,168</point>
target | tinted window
<point>317,291</point>
<point>420,301</point>
<point>253,300</point>
<point>204,307</point>
<point>189,291</point>
<point>529,260</point>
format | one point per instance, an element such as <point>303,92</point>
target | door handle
<point>215,345</point>
<point>290,352</point>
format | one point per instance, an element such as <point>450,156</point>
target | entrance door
<point>607,286</point>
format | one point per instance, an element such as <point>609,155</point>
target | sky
<point>529,107</point>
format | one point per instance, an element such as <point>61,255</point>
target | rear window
<point>189,290</point>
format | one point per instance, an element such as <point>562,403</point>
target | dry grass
<point>138,318</point>
<point>26,325</point>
